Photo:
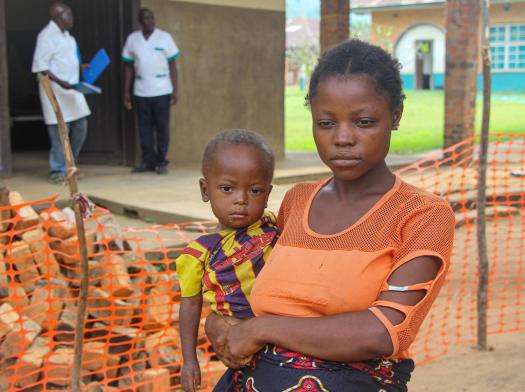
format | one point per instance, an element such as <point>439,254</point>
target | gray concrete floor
<point>153,198</point>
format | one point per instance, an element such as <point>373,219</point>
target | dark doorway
<point>424,62</point>
<point>98,24</point>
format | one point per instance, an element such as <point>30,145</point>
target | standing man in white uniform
<point>57,55</point>
<point>150,56</point>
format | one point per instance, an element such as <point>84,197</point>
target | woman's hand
<point>241,342</point>
<point>216,328</point>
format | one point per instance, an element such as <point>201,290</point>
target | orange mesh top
<point>310,274</point>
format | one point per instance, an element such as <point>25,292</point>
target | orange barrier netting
<point>453,174</point>
<point>131,340</point>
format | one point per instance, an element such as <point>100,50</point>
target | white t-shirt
<point>57,52</point>
<point>150,59</point>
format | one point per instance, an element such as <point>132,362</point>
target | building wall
<point>230,70</point>
<point>405,51</point>
<point>5,139</point>
<point>398,26</point>
<point>395,23</point>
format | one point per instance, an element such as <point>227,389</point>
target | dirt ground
<point>467,369</point>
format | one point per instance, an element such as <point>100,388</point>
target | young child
<point>237,168</point>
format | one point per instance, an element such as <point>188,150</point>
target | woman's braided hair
<point>356,57</point>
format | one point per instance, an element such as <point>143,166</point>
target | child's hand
<point>190,376</point>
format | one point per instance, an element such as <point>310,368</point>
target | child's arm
<point>190,314</point>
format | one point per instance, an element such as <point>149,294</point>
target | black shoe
<point>142,168</point>
<point>162,169</point>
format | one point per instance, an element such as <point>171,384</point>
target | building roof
<point>377,5</point>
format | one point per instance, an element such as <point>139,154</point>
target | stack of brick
<point>131,340</point>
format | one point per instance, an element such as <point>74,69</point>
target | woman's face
<point>352,125</point>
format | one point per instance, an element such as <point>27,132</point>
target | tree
<point>481,234</point>
<point>303,57</point>
<point>335,23</point>
<point>461,67</point>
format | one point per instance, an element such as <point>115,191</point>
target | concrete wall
<point>407,25</point>
<point>397,22</point>
<point>231,70</point>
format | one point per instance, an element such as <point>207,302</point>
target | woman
<point>361,256</point>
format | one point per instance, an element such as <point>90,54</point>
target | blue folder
<point>86,88</point>
<point>97,65</point>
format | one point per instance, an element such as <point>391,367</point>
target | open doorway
<point>111,135</point>
<point>424,64</point>
<point>28,132</point>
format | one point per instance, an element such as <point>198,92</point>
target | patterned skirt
<point>279,370</point>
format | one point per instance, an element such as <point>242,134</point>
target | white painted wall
<point>405,48</point>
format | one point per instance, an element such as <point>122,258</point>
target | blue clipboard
<point>96,66</point>
<point>86,88</point>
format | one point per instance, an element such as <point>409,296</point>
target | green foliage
<point>303,56</point>
<point>382,34</point>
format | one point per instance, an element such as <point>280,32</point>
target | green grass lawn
<point>421,128</point>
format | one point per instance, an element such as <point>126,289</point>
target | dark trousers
<point>154,126</point>
<point>77,131</point>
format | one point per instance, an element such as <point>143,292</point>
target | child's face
<point>237,186</point>
<point>352,125</point>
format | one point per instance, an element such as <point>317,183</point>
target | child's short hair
<point>354,57</point>
<point>239,137</point>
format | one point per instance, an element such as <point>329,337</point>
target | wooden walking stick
<point>82,208</point>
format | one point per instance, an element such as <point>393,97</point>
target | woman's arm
<point>347,337</point>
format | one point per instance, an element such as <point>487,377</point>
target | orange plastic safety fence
<point>131,340</point>
<point>453,174</point>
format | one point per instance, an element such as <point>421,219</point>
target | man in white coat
<point>150,56</point>
<point>57,55</point>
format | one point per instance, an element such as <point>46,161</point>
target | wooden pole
<point>72,173</point>
<point>483,266</point>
